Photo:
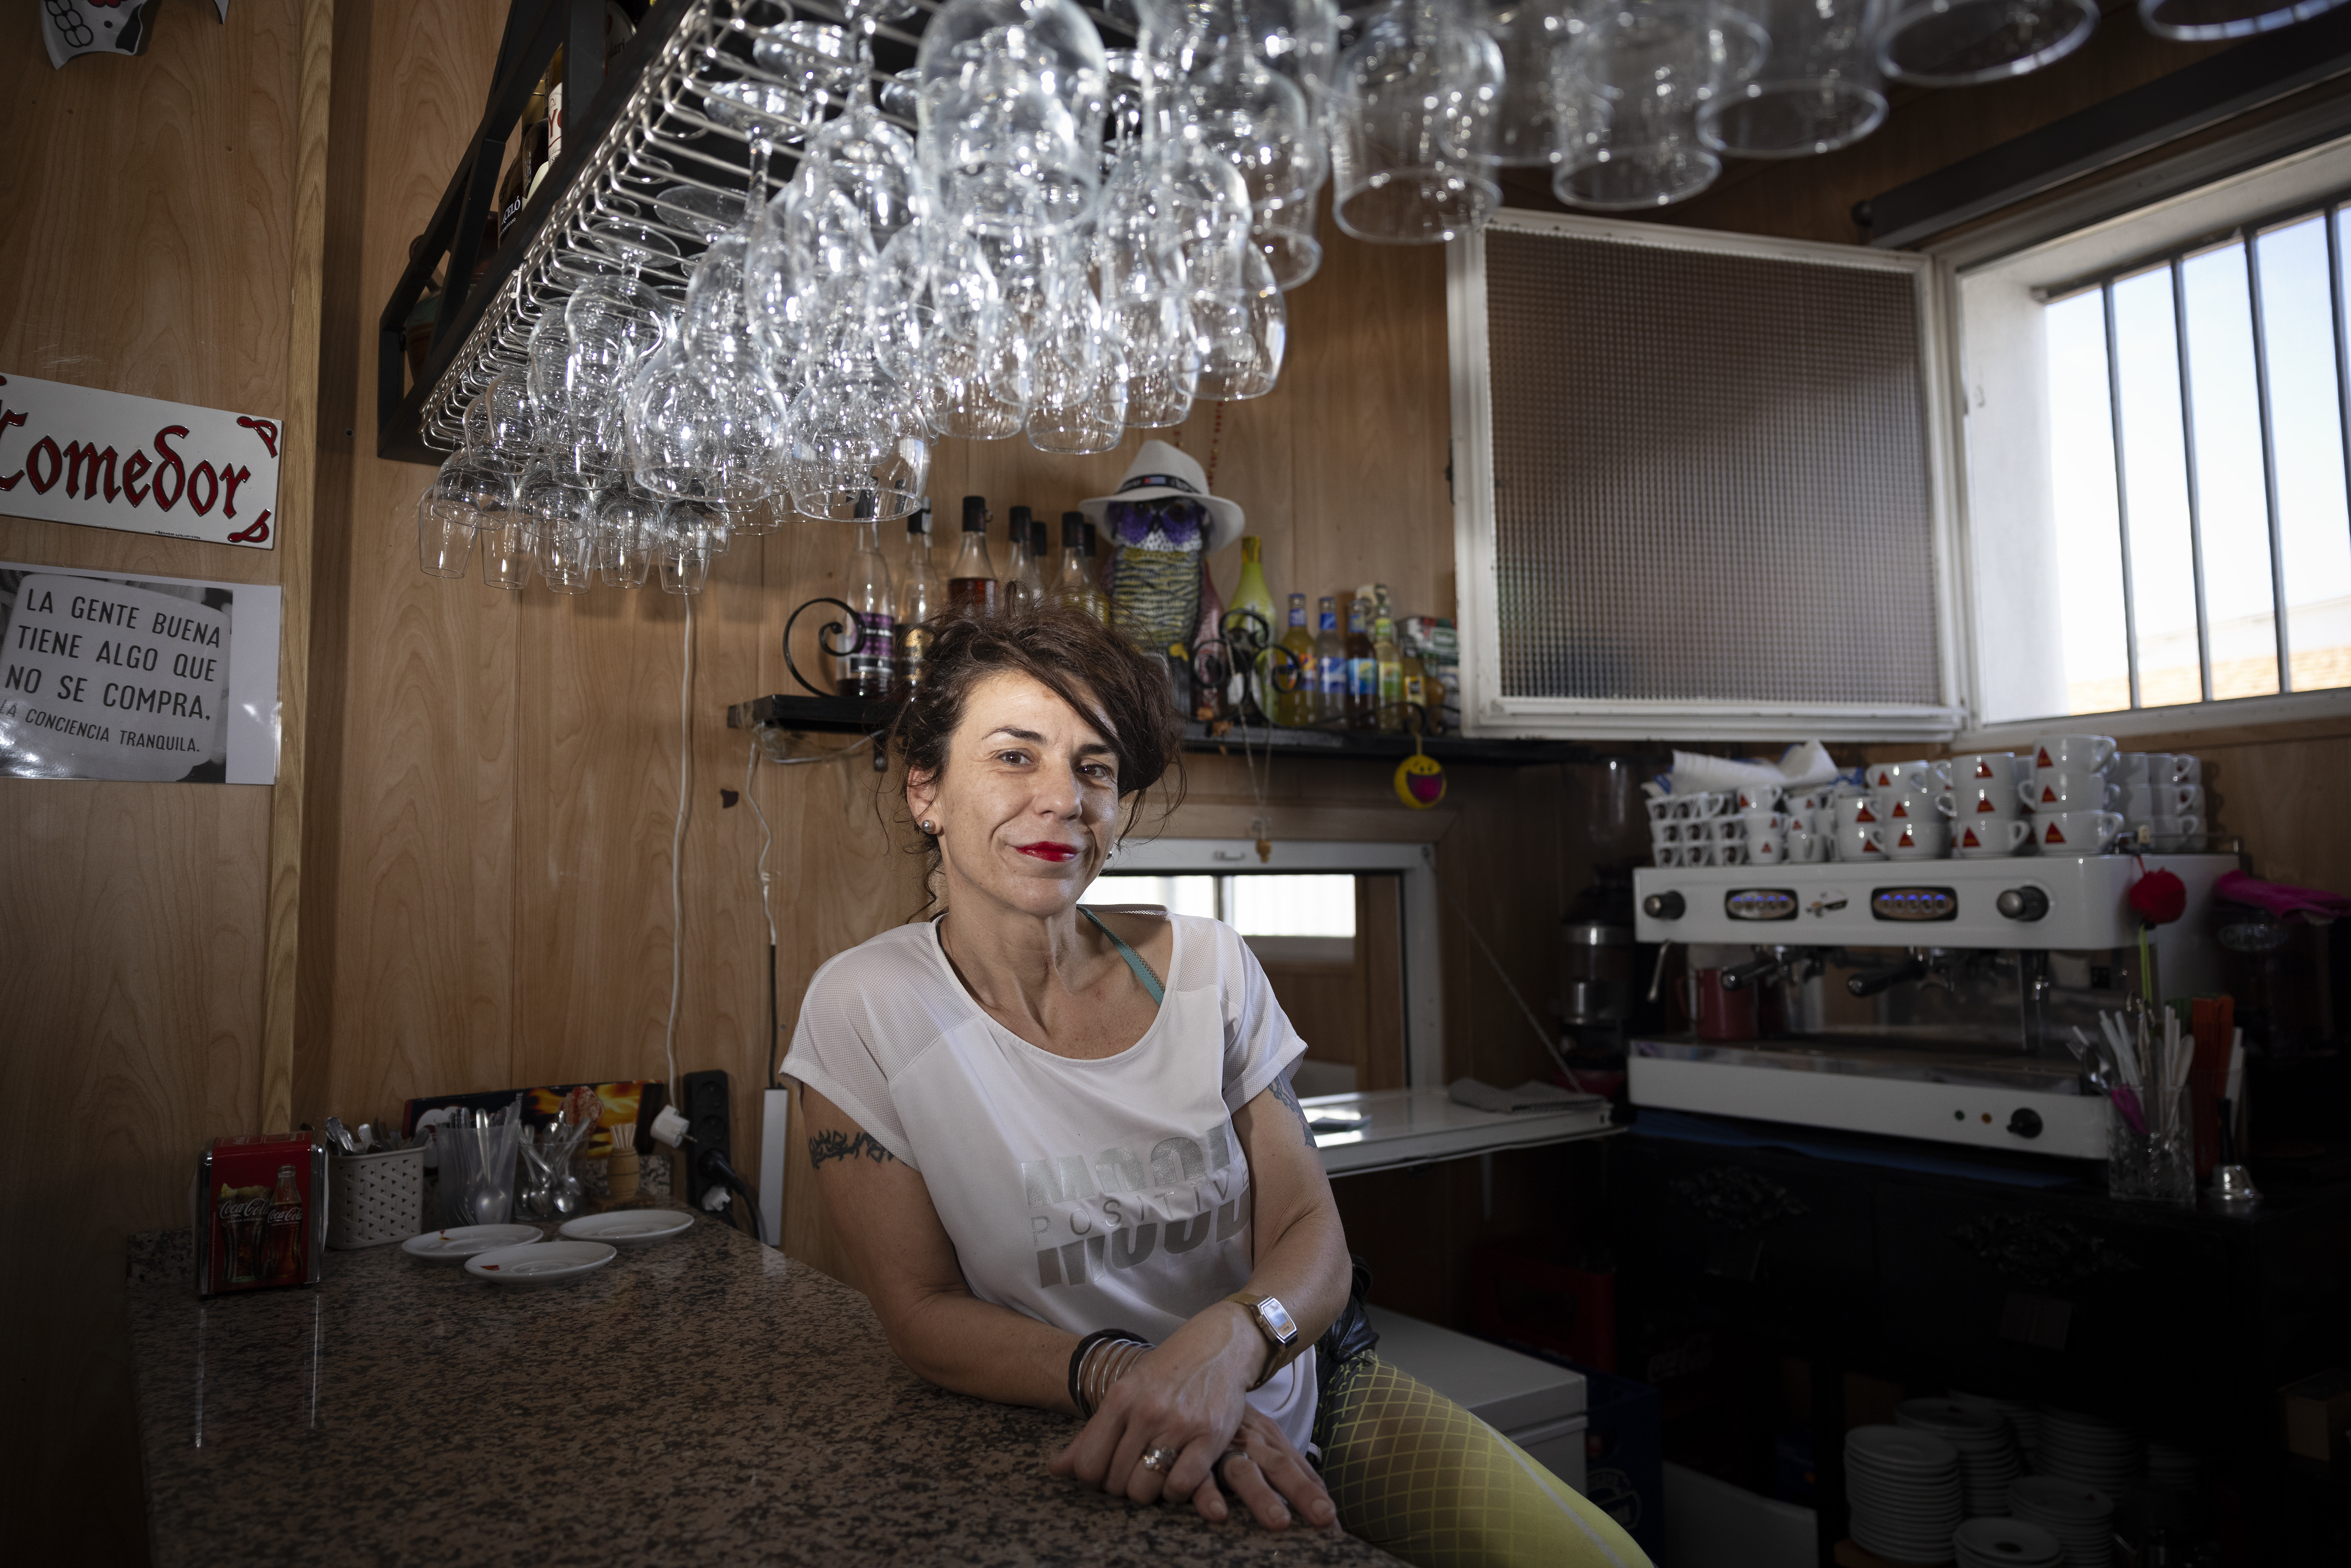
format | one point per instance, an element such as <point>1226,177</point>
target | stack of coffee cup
<point>1988,819</point>
<point>1763,825</point>
<point>2161,798</point>
<point>1904,814</point>
<point>2073,795</point>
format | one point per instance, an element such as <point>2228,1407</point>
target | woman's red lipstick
<point>1046,849</point>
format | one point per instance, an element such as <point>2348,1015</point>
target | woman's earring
<point>926,825</point>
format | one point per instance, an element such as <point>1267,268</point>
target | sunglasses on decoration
<point>1180,519</point>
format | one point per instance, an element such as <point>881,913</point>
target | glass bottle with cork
<point>1024,585</point>
<point>865,584</point>
<point>920,597</point>
<point>1075,589</point>
<point>972,587</point>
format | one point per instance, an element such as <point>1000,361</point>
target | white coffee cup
<point>1906,807</point>
<point>1807,801</point>
<point>1806,847</point>
<point>1921,838</point>
<point>1862,810</point>
<point>2175,835</point>
<point>1725,851</point>
<point>1930,776</point>
<point>1983,767</point>
<point>2075,832</point>
<point>2054,791</point>
<point>2143,801</point>
<point>1766,846</point>
<point>2073,753</point>
<point>1989,838</point>
<point>1982,800</point>
<point>2133,767</point>
<point>1860,842</point>
<point>2186,768</point>
<point>1756,798</point>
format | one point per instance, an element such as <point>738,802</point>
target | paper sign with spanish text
<point>110,460</point>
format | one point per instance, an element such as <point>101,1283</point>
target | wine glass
<point>1412,127</point>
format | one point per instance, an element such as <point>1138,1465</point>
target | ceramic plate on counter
<point>629,1226</point>
<point>548,1263</point>
<point>460,1243</point>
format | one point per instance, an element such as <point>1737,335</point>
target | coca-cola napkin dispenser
<point>259,1212</point>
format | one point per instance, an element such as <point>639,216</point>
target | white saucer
<point>460,1243</point>
<point>548,1263</point>
<point>629,1226</point>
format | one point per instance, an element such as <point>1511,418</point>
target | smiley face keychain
<point>1420,780</point>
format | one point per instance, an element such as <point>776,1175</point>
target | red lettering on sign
<point>83,462</point>
<point>254,535</point>
<point>230,479</point>
<point>261,427</point>
<point>179,470</point>
<point>212,489</point>
<point>133,467</point>
<point>57,464</point>
<point>7,419</point>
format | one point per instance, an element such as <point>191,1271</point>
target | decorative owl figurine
<point>1154,570</point>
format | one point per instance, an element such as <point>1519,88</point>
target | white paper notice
<point>110,460</point>
<point>154,679</point>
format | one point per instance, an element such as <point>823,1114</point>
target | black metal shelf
<point>850,715</point>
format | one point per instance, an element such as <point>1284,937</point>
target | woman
<point>1058,1145</point>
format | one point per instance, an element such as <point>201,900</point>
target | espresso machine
<point>1922,999</point>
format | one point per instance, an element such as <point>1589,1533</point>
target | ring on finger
<point>1160,1459</point>
<point>1218,1470</point>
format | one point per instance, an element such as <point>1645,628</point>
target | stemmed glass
<point>1412,125</point>
<point>626,520</point>
<point>1631,85</point>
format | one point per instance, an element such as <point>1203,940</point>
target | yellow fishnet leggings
<point>1415,1474</point>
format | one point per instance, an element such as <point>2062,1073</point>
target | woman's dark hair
<point>1101,675</point>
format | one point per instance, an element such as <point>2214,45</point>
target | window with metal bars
<point>2196,475</point>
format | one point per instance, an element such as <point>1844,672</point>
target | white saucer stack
<point>1904,1488</point>
<point>2081,1518</point>
<point>2173,1467</point>
<point>2023,1420</point>
<point>2005,1543</point>
<point>2083,1449</point>
<point>1987,1450</point>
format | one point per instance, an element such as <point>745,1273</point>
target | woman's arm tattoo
<point>1289,1096</point>
<point>832,1145</point>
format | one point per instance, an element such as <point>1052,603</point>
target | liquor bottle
<point>1040,553</point>
<point>1024,586</point>
<point>282,1252</point>
<point>920,600</point>
<point>1416,716</point>
<point>1294,678</point>
<point>1362,669</point>
<point>865,584</point>
<point>972,588</point>
<point>1250,624</point>
<point>1330,664</point>
<point>1390,666</point>
<point>1069,587</point>
<point>1084,590</point>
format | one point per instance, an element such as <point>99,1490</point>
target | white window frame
<point>1423,982</point>
<point>2227,200</point>
<point>1485,711</point>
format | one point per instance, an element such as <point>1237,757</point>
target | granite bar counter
<point>705,1400</point>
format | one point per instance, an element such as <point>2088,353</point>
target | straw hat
<point>1158,470</point>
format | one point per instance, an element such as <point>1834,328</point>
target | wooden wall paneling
<point>297,512</point>
<point>1370,424</point>
<point>1324,1003</point>
<point>1502,873</point>
<point>413,858</point>
<point>147,250</point>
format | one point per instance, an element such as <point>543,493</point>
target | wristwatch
<point>1280,1330</point>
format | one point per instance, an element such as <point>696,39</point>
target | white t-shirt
<point>1088,1195</point>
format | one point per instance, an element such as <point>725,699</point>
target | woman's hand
<point>1268,1476</point>
<point>1186,1395</point>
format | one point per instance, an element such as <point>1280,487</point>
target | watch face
<point>1277,1317</point>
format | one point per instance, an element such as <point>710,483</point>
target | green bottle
<point>1391,665</point>
<point>1249,619</point>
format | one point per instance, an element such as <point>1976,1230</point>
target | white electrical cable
<point>767,837</point>
<point>677,850</point>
